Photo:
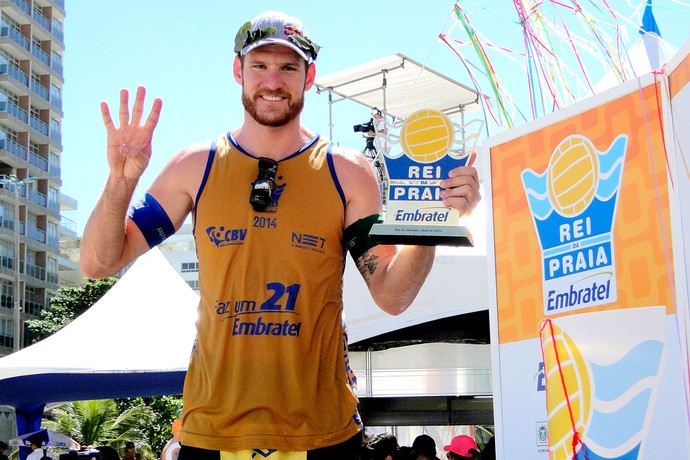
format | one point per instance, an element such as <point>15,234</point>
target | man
<point>130,451</point>
<point>383,145</point>
<point>37,449</point>
<point>424,447</point>
<point>380,446</point>
<point>3,448</point>
<point>462,447</point>
<point>274,209</point>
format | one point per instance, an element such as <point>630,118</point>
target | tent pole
<point>330,115</point>
<point>462,129</point>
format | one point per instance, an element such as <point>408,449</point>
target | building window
<point>9,134</point>
<point>11,60</point>
<point>189,267</point>
<point>55,92</point>
<point>52,230</point>
<point>6,299</point>
<point>6,218</point>
<point>6,331</point>
<point>194,284</point>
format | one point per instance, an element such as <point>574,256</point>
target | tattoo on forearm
<point>367,265</point>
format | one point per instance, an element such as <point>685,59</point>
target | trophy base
<point>421,235</point>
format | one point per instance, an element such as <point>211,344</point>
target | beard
<point>271,118</point>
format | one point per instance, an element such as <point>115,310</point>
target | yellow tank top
<point>269,367</point>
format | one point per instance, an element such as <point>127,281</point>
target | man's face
<point>274,79</point>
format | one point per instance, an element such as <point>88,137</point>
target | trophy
<point>416,162</point>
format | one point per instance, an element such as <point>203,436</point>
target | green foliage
<point>100,422</point>
<point>164,411</point>
<point>70,302</point>
<point>145,421</point>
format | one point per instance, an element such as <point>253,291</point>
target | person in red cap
<point>462,446</point>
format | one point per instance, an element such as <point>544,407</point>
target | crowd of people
<point>41,452</point>
<point>384,446</point>
<point>378,446</point>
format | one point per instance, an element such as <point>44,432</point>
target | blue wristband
<point>152,220</point>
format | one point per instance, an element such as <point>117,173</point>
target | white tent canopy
<point>144,325</point>
<point>399,86</point>
<point>142,331</point>
<point>456,285</point>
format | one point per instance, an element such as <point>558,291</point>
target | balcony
<point>7,222</point>
<point>56,66</point>
<point>37,197</point>
<point>24,6</point>
<point>33,307</point>
<point>42,20</point>
<point>59,34</point>
<point>68,228</point>
<point>56,102</point>
<point>54,207</point>
<point>54,171</point>
<point>14,110</point>
<point>36,234</point>
<point>40,90</point>
<point>38,125</point>
<point>53,242</point>
<point>14,148</point>
<point>14,72</point>
<point>56,136</point>
<point>35,271</point>
<point>41,55</point>
<point>53,279</point>
<point>15,36</point>
<point>6,262</point>
<point>38,161</point>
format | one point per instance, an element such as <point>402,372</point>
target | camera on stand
<point>364,127</point>
<point>367,128</point>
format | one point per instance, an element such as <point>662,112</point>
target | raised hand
<point>461,189</point>
<point>129,145</point>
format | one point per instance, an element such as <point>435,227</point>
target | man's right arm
<point>111,239</point>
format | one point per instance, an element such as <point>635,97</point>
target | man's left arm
<point>395,274</point>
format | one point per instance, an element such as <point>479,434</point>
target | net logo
<point>573,206</point>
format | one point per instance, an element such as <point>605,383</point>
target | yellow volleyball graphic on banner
<point>427,135</point>
<point>573,175</point>
<point>568,391</point>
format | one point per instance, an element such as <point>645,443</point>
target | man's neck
<point>272,142</point>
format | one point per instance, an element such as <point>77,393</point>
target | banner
<point>588,358</point>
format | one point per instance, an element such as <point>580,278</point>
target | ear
<point>237,69</point>
<point>311,76</point>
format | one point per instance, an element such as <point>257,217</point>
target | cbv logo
<point>220,236</point>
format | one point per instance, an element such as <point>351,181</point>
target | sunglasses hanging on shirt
<point>262,187</point>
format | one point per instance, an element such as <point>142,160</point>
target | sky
<point>182,52</point>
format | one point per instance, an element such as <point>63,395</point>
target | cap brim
<point>276,41</point>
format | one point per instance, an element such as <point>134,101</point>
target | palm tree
<point>101,422</point>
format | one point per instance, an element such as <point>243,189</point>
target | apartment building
<point>31,82</point>
<point>180,251</point>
